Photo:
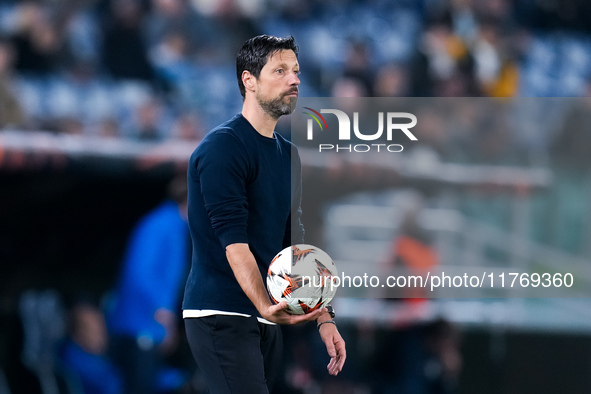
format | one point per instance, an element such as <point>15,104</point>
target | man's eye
<point>279,71</point>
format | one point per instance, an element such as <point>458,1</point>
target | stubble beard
<point>277,107</point>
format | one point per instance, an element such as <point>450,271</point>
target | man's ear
<point>248,80</point>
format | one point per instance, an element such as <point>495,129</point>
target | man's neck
<point>262,122</point>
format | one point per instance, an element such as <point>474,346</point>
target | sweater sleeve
<point>223,172</point>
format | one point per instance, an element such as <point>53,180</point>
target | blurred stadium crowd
<point>154,69</point>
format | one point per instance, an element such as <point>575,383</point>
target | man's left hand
<point>335,345</point>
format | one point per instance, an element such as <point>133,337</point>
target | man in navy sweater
<point>244,207</point>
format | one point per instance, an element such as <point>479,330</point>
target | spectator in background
<point>412,250</point>
<point>39,43</point>
<point>147,121</point>
<point>442,65</point>
<point>11,113</point>
<point>125,53</point>
<point>108,128</point>
<point>71,125</point>
<point>349,87</point>
<point>172,61</point>
<point>142,319</point>
<point>188,127</point>
<point>227,23</point>
<point>390,81</point>
<point>358,66</point>
<point>496,73</point>
<point>175,17</point>
<point>84,352</point>
<point>443,362</point>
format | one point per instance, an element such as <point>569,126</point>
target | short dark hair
<point>255,53</point>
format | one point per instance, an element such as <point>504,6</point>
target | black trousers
<point>236,354</point>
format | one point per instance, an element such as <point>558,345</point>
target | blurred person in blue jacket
<point>84,353</point>
<point>142,319</point>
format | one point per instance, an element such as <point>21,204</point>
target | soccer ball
<point>303,276</point>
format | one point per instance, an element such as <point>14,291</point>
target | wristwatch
<point>330,311</point>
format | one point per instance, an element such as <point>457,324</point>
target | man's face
<point>278,84</point>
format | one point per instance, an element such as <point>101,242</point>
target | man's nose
<point>294,80</point>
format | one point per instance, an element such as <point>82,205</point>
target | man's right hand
<point>249,277</point>
<point>278,314</point>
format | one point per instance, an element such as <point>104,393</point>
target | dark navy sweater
<point>243,188</point>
